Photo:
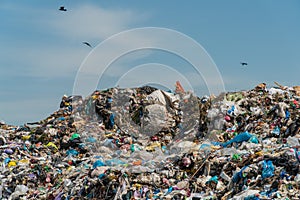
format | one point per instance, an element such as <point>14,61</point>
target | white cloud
<point>49,45</point>
<point>93,22</point>
<point>66,31</point>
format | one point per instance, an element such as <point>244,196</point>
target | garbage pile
<point>146,143</point>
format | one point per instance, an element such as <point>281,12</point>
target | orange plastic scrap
<point>137,162</point>
<point>179,88</point>
<point>261,86</point>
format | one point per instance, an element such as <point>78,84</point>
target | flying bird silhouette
<point>244,63</point>
<point>88,44</point>
<point>62,8</point>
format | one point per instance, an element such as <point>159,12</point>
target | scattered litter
<point>146,143</point>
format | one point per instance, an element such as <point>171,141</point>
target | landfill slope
<point>146,143</point>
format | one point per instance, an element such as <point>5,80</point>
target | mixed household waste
<point>146,143</point>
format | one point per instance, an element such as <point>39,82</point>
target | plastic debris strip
<point>145,143</point>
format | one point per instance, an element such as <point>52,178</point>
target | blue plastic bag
<point>213,179</point>
<point>245,136</point>
<point>111,122</point>
<point>276,130</point>
<point>238,176</point>
<point>231,110</point>
<point>287,114</point>
<point>114,162</point>
<point>98,163</point>
<point>72,152</point>
<point>91,140</point>
<point>254,139</point>
<point>268,169</point>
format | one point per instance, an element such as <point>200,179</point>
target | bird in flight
<point>244,63</point>
<point>62,8</point>
<point>88,44</point>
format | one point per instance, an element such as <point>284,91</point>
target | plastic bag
<point>267,169</point>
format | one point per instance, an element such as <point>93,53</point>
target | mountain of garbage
<point>147,143</point>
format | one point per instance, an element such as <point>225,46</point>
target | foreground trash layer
<point>146,143</point>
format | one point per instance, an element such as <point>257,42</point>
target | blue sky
<point>41,48</point>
